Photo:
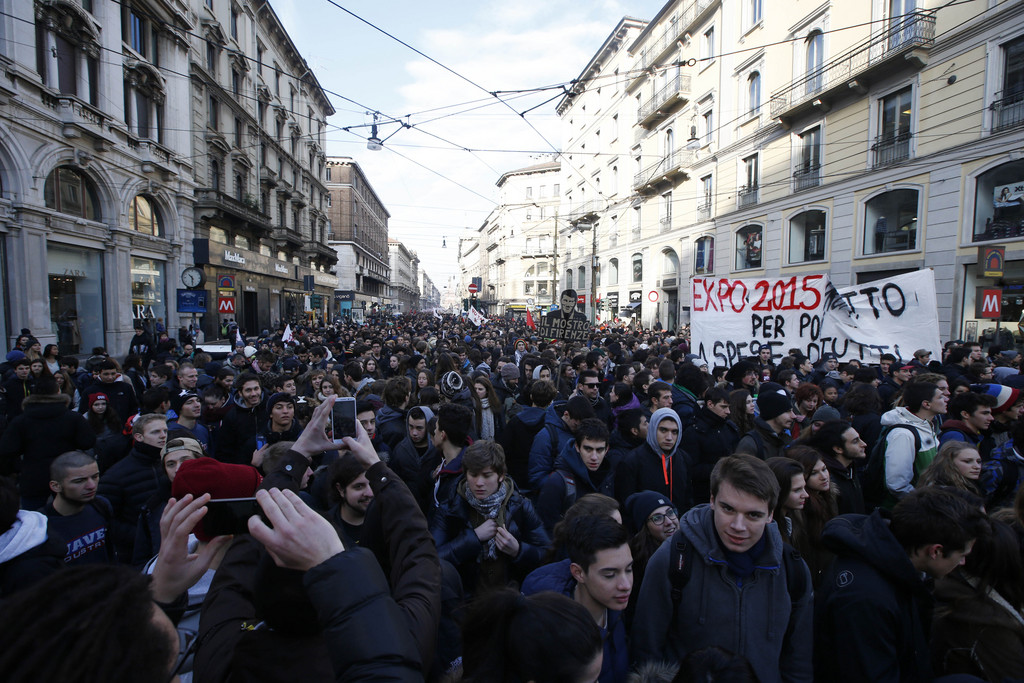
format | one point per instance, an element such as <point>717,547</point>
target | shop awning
<point>636,304</point>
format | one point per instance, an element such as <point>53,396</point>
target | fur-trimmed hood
<point>48,399</point>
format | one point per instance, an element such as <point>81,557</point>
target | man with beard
<point>353,495</point>
<point>76,513</point>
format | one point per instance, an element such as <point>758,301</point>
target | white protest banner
<point>897,315</point>
<point>733,319</point>
<point>476,317</point>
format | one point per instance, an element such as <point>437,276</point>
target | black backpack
<point>873,478</point>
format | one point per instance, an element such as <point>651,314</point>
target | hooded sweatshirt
<point>648,468</point>
<point>902,464</point>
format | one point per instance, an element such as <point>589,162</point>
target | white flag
<point>476,317</point>
<point>287,335</point>
<point>238,337</point>
<point>437,315</point>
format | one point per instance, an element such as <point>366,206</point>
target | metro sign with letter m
<point>988,303</point>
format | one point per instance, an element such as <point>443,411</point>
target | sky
<point>434,189</point>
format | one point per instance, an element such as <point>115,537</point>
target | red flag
<point>529,320</point>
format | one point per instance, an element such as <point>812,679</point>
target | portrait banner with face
<point>733,319</point>
<point>565,322</point>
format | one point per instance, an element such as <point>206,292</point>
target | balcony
<point>891,149</point>
<point>665,222</point>
<point>79,119</point>
<point>282,236</point>
<point>674,31</point>
<point>704,210</point>
<point>907,38</point>
<point>807,177</point>
<point>746,196</point>
<point>586,212</point>
<point>667,169</point>
<point>211,203</point>
<point>268,177</point>
<point>1008,111</point>
<point>676,91</point>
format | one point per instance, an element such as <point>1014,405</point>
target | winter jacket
<point>1005,460</point>
<point>34,439</point>
<point>15,392</point>
<point>707,440</point>
<point>454,533</point>
<point>902,465</point>
<point>547,444</point>
<point>557,495</point>
<point>957,430</point>
<point>763,442</point>
<point>850,496</point>
<point>406,462</point>
<point>976,633</point>
<point>755,618</point>
<point>120,396</point>
<point>869,426</point>
<point>888,390</point>
<point>391,426</point>
<point>556,577</point>
<point>240,424</point>
<point>646,468</point>
<point>685,404</point>
<point>128,485</point>
<point>870,606</point>
<point>28,553</point>
<point>517,440</point>
<point>270,437</point>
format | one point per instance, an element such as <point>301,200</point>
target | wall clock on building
<point>193,277</point>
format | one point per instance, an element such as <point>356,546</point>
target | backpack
<point>680,567</point>
<point>873,478</point>
<point>759,440</point>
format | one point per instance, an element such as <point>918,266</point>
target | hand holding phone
<point>343,418</point>
<point>228,516</point>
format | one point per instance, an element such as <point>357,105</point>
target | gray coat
<point>758,620</point>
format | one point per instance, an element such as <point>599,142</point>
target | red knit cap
<point>219,479</point>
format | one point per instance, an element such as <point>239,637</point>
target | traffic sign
<point>652,295</point>
<point>226,305</point>
<point>473,288</point>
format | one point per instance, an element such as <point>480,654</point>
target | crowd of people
<point>509,509</point>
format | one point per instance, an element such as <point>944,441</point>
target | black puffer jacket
<point>707,440</point>
<point>34,439</point>
<point>128,485</point>
<point>239,425</point>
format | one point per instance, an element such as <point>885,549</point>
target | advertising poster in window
<point>733,319</point>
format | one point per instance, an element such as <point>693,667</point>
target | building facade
<point>258,123</point>
<point>96,204</point>
<point>430,296</point>
<point>404,292</point>
<point>861,140</point>
<point>519,241</point>
<point>359,236</point>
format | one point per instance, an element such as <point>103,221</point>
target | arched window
<point>568,278</point>
<point>613,271</point>
<point>638,267</point>
<point>754,92</point>
<point>890,222</point>
<point>704,255</point>
<point>671,262</point>
<point>143,216</point>
<point>807,236</point>
<point>748,247</point>
<point>670,142</point>
<point>814,48</point>
<point>581,277</point>
<point>69,191</point>
<point>998,208</point>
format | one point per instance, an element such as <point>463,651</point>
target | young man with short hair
<point>871,607</point>
<point>19,387</point>
<point>559,429</point>
<point>770,436</point>
<point>407,456</point>
<point>391,418</point>
<point>892,385</point>
<point>968,418</point>
<point>187,405</point>
<point>922,401</point>
<point>76,513</point>
<point>242,421</point>
<point>598,574</point>
<point>440,473</point>
<point>120,395</point>
<point>581,468</point>
<point>712,436</point>
<point>738,593</point>
<point>843,451</point>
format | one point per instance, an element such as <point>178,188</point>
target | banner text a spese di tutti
<point>733,318</point>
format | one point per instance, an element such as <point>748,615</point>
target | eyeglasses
<point>659,518</point>
<point>591,384</point>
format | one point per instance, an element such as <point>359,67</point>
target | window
<point>543,191</point>
<point>666,212</point>
<point>555,190</point>
<point>234,23</point>
<point>748,247</point>
<point>807,237</point>
<point>328,176</point>
<point>259,58</point>
<point>211,58</point>
<point>239,187</point>
<point>1009,104</point>
<point>808,170</point>
<point>529,193</point>
<point>704,256</point>
<point>329,203</point>
<point>755,10</point>
<point>707,45</point>
<point>814,48</point>
<point>747,194</point>
<point>214,113</point>
<point>704,207</point>
<point>581,277</point>
<point>241,241</point>
<point>136,32</point>
<point>236,82</point>
<point>890,222</point>
<point>613,271</point>
<point>709,126</point>
<point>638,267</point>
<point>68,191</point>
<point>670,264</point>
<point>754,93</point>
<point>238,132</point>
<point>999,202</point>
<point>215,174</point>
<point>74,43</point>
<point>218,235</point>
<point>143,217</point>
<point>895,114</point>
<point>634,228</point>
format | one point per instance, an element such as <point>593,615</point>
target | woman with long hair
<point>806,400</point>
<point>655,519</point>
<point>371,369</point>
<point>111,443</point>
<point>52,358</point>
<point>67,386</point>
<point>424,379</point>
<point>957,464</point>
<point>741,410</point>
<point>821,507</point>
<point>792,497</point>
<point>489,415</point>
<point>621,398</point>
<point>566,380</point>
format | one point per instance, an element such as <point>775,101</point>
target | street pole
<point>593,275</point>
<point>553,294</point>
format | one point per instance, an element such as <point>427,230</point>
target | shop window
<point>75,298</point>
<point>148,289</point>
<point>613,271</point>
<point>999,203</point>
<point>807,237</point>
<point>890,222</point>
<point>69,191</point>
<point>143,216</point>
<point>748,247</point>
<point>704,256</point>
<point>638,267</point>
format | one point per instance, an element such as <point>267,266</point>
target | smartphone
<point>343,418</point>
<point>261,441</point>
<point>226,516</point>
